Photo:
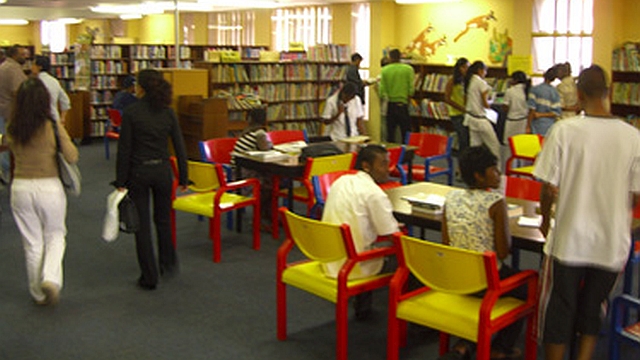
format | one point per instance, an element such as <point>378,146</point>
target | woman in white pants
<point>38,201</point>
<point>477,92</point>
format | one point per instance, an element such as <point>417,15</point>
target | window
<point>562,31</point>
<point>307,25</point>
<point>232,28</point>
<point>54,35</point>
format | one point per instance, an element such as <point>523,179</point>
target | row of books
<point>149,52</point>
<point>146,64</point>
<point>312,127</point>
<point>429,109</point>
<point>301,72</point>
<point>97,128</point>
<point>67,84</point>
<point>106,52</point>
<point>61,59</point>
<point>626,58</point>
<point>101,97</point>
<point>499,85</point>
<point>109,67</point>
<point>296,111</point>
<point>185,52</point>
<point>267,72</point>
<point>228,73</point>
<point>104,82</point>
<point>98,113</point>
<point>62,72</point>
<point>625,93</point>
<point>432,82</point>
<point>333,72</point>
<point>231,73</point>
<point>329,53</point>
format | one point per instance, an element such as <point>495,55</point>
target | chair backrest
<point>526,146</point>
<point>285,136</point>
<point>115,117</point>
<point>217,150</point>
<point>204,176</point>
<point>319,241</point>
<point>325,164</point>
<point>446,268</point>
<point>322,183</point>
<point>523,188</point>
<point>395,156</point>
<point>430,144</point>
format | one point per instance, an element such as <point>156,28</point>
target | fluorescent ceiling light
<point>252,4</point>
<point>425,1</point>
<point>3,1</point>
<point>70,21</point>
<point>130,16</point>
<point>13,22</point>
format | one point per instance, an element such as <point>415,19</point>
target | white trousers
<point>39,209</point>
<point>481,132</point>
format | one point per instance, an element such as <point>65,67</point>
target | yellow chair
<point>323,242</point>
<point>304,192</point>
<point>523,147</point>
<point>211,195</point>
<point>446,303</point>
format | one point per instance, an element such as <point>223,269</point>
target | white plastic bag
<point>111,225</point>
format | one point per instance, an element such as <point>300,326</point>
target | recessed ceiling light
<point>13,21</point>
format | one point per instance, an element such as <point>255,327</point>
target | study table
<point>522,238</point>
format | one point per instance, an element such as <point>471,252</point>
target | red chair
<point>523,188</point>
<point>322,242</point>
<point>285,136</point>
<point>448,301</point>
<point>218,151</point>
<point>396,156</point>
<point>112,129</point>
<point>523,147</point>
<point>321,185</point>
<point>634,256</point>
<point>431,147</point>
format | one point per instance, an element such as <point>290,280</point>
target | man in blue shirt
<point>544,104</point>
<point>126,96</point>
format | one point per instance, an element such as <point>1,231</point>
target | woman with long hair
<point>38,200</point>
<point>477,94</point>
<point>454,97</point>
<point>143,168</point>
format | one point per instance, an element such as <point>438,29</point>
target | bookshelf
<point>203,118</point>
<point>428,110</point>
<point>63,68</point>
<point>294,91</point>
<point>625,78</point>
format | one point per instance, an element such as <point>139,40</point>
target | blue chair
<point>111,129</point>
<point>620,327</point>
<point>431,147</point>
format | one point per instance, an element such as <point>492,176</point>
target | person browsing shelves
<point>343,113</point>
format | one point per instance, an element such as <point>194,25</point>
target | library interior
<point>225,59</point>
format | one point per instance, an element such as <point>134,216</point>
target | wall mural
<point>427,43</point>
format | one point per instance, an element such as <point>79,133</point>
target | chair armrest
<point>241,184</point>
<point>375,253</point>
<point>436,157</point>
<point>517,280</point>
<point>621,305</point>
<point>228,171</point>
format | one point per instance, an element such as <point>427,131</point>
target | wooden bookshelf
<point>294,91</point>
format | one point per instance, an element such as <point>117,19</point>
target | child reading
<point>477,219</point>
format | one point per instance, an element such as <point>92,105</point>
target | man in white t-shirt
<point>357,200</point>
<point>60,103</point>
<point>343,113</point>
<point>590,167</point>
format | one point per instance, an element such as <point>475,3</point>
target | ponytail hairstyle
<point>458,76</point>
<point>519,77</point>
<point>157,90</point>
<point>474,69</point>
<point>30,112</point>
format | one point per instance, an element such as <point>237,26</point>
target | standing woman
<point>454,97</point>
<point>38,201</point>
<point>515,98</point>
<point>477,94</point>
<point>143,167</point>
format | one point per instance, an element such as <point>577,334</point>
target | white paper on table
<point>530,221</point>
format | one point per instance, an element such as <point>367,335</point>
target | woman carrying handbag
<point>38,199</point>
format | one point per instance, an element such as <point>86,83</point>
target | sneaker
<point>51,292</point>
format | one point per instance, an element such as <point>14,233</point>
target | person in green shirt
<point>396,85</point>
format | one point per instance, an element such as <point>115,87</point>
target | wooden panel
<point>78,117</point>
<point>187,82</point>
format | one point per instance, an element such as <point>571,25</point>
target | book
<point>530,221</point>
<point>426,203</point>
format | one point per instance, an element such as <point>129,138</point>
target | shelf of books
<point>295,91</point>
<point>427,107</point>
<point>62,67</point>
<point>625,86</point>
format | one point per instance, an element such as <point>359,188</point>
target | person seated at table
<point>253,138</point>
<point>357,200</point>
<point>477,219</point>
<point>343,113</point>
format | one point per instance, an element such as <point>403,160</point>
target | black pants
<point>398,116</point>
<point>157,181</point>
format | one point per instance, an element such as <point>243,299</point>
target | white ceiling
<point>54,9</point>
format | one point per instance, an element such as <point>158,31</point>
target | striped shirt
<point>248,142</point>
<point>545,98</point>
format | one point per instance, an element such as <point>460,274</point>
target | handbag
<point>129,218</point>
<point>69,173</point>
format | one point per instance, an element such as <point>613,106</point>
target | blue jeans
<point>541,125</point>
<point>4,156</point>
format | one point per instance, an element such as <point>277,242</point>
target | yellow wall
<point>157,29</point>
<point>341,23</point>
<point>263,27</point>
<point>14,34</point>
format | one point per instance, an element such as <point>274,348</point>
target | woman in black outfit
<point>143,167</point>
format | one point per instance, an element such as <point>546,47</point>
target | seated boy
<point>477,219</point>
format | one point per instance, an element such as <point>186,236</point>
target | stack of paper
<point>358,139</point>
<point>426,203</point>
<point>530,221</point>
<point>294,147</point>
<point>268,156</point>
